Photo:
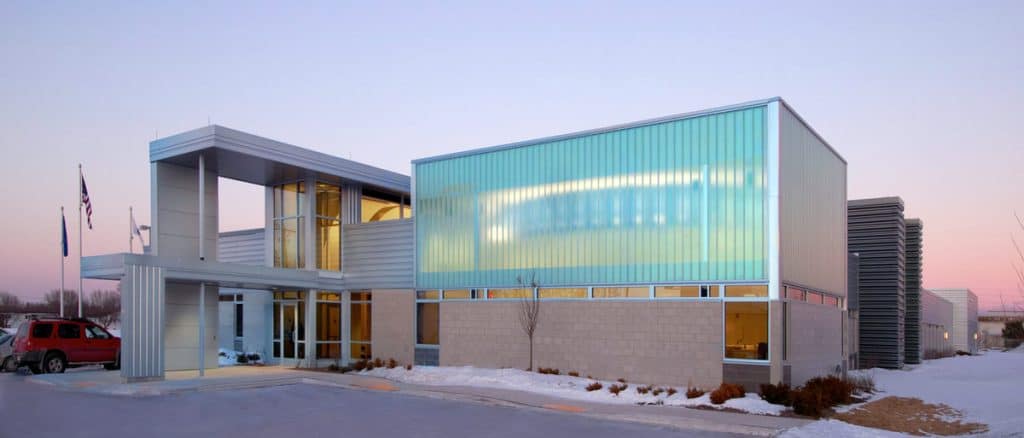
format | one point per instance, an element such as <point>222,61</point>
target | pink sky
<point>921,98</point>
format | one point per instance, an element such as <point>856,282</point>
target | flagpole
<point>62,261</point>
<point>131,236</point>
<point>79,240</point>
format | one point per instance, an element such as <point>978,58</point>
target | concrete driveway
<point>30,409</point>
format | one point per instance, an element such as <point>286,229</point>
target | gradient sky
<point>923,99</point>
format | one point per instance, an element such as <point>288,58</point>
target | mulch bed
<point>911,416</point>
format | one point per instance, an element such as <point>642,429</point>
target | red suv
<point>55,344</point>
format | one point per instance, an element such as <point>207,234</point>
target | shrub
<point>670,391</point>
<point>657,391</point>
<point>241,358</point>
<point>808,402</point>
<point>1013,330</point>
<point>691,392</point>
<point>408,367</point>
<point>616,389</point>
<point>332,367</point>
<point>962,353</point>
<point>776,394</point>
<point>574,374</point>
<point>621,380</point>
<point>931,353</point>
<point>345,369</point>
<point>594,386</point>
<point>378,363</point>
<point>369,366</point>
<point>253,357</point>
<point>392,363</point>
<point>725,392</point>
<point>359,365</point>
<point>643,389</point>
<point>834,390</point>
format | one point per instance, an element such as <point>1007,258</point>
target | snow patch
<point>836,428</point>
<point>567,387</point>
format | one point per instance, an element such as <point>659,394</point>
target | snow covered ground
<point>567,387</point>
<point>986,388</point>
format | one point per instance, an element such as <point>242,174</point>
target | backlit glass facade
<point>677,201</point>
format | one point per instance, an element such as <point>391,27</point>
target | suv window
<point>94,332</point>
<point>42,330</point>
<point>69,331</point>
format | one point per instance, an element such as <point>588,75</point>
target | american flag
<point>87,203</point>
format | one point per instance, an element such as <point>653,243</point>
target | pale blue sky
<point>922,98</point>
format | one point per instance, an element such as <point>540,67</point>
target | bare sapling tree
<point>1018,264</point>
<point>529,311</point>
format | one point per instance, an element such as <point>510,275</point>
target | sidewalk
<point>238,378</point>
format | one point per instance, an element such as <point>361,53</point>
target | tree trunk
<point>531,354</point>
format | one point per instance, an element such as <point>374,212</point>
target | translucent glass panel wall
<point>677,201</point>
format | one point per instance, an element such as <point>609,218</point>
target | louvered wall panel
<point>877,232</point>
<point>378,255</point>
<point>912,324</point>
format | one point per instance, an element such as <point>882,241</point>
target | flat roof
<point>258,160</point>
<point>636,124</point>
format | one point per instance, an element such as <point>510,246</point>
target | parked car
<point>6,348</point>
<point>52,345</point>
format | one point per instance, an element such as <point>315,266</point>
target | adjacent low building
<point>936,324</point>
<point>964,335</point>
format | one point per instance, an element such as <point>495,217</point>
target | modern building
<point>695,248</point>
<point>690,249</point>
<point>991,325</point>
<point>936,324</point>
<point>965,334</point>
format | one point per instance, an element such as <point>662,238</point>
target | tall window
<point>380,206</point>
<point>328,325</point>
<point>428,315</point>
<point>289,225</point>
<point>746,330</point>
<point>328,227</point>
<point>359,315</point>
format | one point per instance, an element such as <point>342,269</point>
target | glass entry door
<point>289,330</point>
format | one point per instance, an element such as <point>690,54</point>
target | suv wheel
<point>7,364</point>
<point>54,363</point>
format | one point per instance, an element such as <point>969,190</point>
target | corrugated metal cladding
<point>142,305</point>
<point>853,281</point>
<point>244,247</point>
<point>913,294</point>
<point>812,208</point>
<point>680,200</point>
<point>965,317</point>
<point>877,232</point>
<point>378,255</point>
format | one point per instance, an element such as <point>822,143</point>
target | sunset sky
<point>923,99</point>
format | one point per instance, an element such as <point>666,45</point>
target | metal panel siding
<point>877,233</point>
<point>243,247</point>
<point>812,213</point>
<point>378,255</point>
<point>142,304</point>
<point>682,200</point>
<point>913,292</point>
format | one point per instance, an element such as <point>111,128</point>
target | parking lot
<point>31,409</point>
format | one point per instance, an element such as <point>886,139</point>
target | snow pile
<point>567,387</point>
<point>229,358</point>
<point>836,428</point>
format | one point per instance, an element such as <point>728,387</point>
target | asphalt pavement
<point>28,409</point>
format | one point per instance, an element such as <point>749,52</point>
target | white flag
<point>136,231</point>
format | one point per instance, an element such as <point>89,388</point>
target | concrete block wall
<point>664,342</point>
<point>814,344</point>
<point>393,324</point>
